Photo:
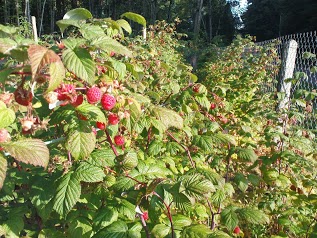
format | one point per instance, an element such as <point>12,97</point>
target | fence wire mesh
<point>305,74</point>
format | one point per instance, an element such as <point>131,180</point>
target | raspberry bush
<point>103,135</point>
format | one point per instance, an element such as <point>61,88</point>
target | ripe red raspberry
<point>79,100</point>
<point>113,119</point>
<point>100,125</point>
<point>65,92</point>
<point>213,106</point>
<point>108,101</point>
<point>237,230</point>
<point>119,140</point>
<point>196,88</point>
<point>4,135</point>
<point>93,95</point>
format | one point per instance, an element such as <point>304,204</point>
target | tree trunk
<point>5,13</point>
<point>153,10</point>
<point>52,13</point>
<point>17,9</point>
<point>209,21</point>
<point>170,9</point>
<point>198,16</point>
<point>27,12</point>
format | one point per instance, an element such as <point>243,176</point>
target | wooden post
<point>287,70</point>
<point>34,29</point>
<point>144,33</point>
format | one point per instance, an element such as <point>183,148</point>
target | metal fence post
<point>287,70</point>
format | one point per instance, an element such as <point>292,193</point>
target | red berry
<point>119,140</point>
<point>213,106</point>
<point>22,96</point>
<point>237,230</point>
<point>93,95</point>
<point>79,100</point>
<point>145,215</point>
<point>113,119</point>
<point>65,92</point>
<point>4,135</point>
<point>196,88</point>
<point>108,101</point>
<point>112,54</point>
<point>100,125</point>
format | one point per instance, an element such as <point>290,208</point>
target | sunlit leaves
<point>20,150</point>
<point>3,169</point>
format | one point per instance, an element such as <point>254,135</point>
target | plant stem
<point>184,147</point>
<point>146,229</point>
<point>168,209</point>
<point>111,144</point>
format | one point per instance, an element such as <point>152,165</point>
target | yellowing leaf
<point>168,117</point>
<point>29,151</point>
<point>3,169</point>
<point>57,73</point>
<point>40,57</point>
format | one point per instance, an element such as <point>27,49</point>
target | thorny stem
<point>148,138</point>
<point>228,163</point>
<point>111,144</point>
<point>184,147</point>
<point>168,209</point>
<point>146,229</point>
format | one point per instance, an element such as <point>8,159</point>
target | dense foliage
<point>103,135</point>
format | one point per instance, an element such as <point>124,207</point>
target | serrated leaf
<point>222,138</point>
<point>4,74</point>
<point>92,112</point>
<point>103,157</point>
<point>203,101</point>
<point>108,44</point>
<point>205,142</point>
<point>155,147</point>
<point>90,31</point>
<point>57,74</point>
<point>196,231</point>
<point>168,117</point>
<point>20,150</point>
<point>6,45</point>
<point>81,144</point>
<point>180,221</point>
<point>40,57</point>
<point>241,181</point>
<point>64,23</point>
<point>218,197</point>
<point>253,215</point>
<point>130,160</point>
<point>89,173</point>
<point>195,185</point>
<point>105,216</point>
<point>246,154</point>
<point>80,227</point>
<point>3,169</point>
<point>67,193</point>
<point>117,229</point>
<point>160,230</point>
<point>79,62</point>
<point>125,25</point>
<point>218,234</point>
<point>135,17</point>
<point>126,209</point>
<point>229,217</point>
<point>7,117</point>
<point>135,231</point>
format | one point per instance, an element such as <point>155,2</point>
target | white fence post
<point>34,28</point>
<point>287,70</point>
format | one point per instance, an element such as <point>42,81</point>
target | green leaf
<point>3,169</point>
<point>168,117</point>
<point>119,67</point>
<point>246,154</point>
<point>57,74</point>
<point>89,173</point>
<point>105,216</point>
<point>130,160</point>
<point>6,45</point>
<point>4,74</point>
<point>241,181</point>
<point>205,142</point>
<point>195,185</point>
<point>108,44</point>
<point>103,157</point>
<point>79,62</point>
<point>117,229</point>
<point>125,25</point>
<point>7,117</point>
<point>92,112</point>
<point>91,32</point>
<point>222,138</point>
<point>196,231</point>
<point>135,231</point>
<point>229,217</point>
<point>180,221</point>
<point>135,17</point>
<point>127,209</point>
<point>78,14</point>
<point>155,147</point>
<point>252,215</point>
<point>218,234</point>
<point>20,150</point>
<point>160,230</point>
<point>67,193</point>
<point>13,227</point>
<point>80,227</point>
<point>203,101</point>
<point>81,143</point>
<point>63,24</point>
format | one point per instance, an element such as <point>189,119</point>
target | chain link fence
<point>304,72</point>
